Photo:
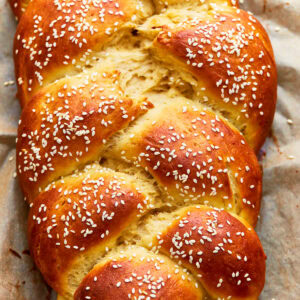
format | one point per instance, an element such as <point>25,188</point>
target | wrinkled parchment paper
<point>279,224</point>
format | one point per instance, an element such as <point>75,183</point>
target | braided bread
<point>137,145</point>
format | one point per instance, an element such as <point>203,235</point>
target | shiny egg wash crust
<point>136,145</point>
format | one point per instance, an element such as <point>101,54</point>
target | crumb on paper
<point>291,157</point>
<point>10,158</point>
<point>9,82</point>
<point>289,121</point>
<point>15,175</point>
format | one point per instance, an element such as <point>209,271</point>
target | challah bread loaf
<point>136,145</point>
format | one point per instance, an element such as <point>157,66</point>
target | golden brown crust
<point>230,54</point>
<point>67,125</point>
<point>138,275</point>
<point>54,36</point>
<point>224,252</point>
<point>77,214</point>
<point>196,157</point>
<point>18,7</point>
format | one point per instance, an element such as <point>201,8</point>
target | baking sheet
<point>279,224</point>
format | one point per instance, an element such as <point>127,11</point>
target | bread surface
<point>137,143</point>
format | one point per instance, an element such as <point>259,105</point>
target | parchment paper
<point>279,224</point>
